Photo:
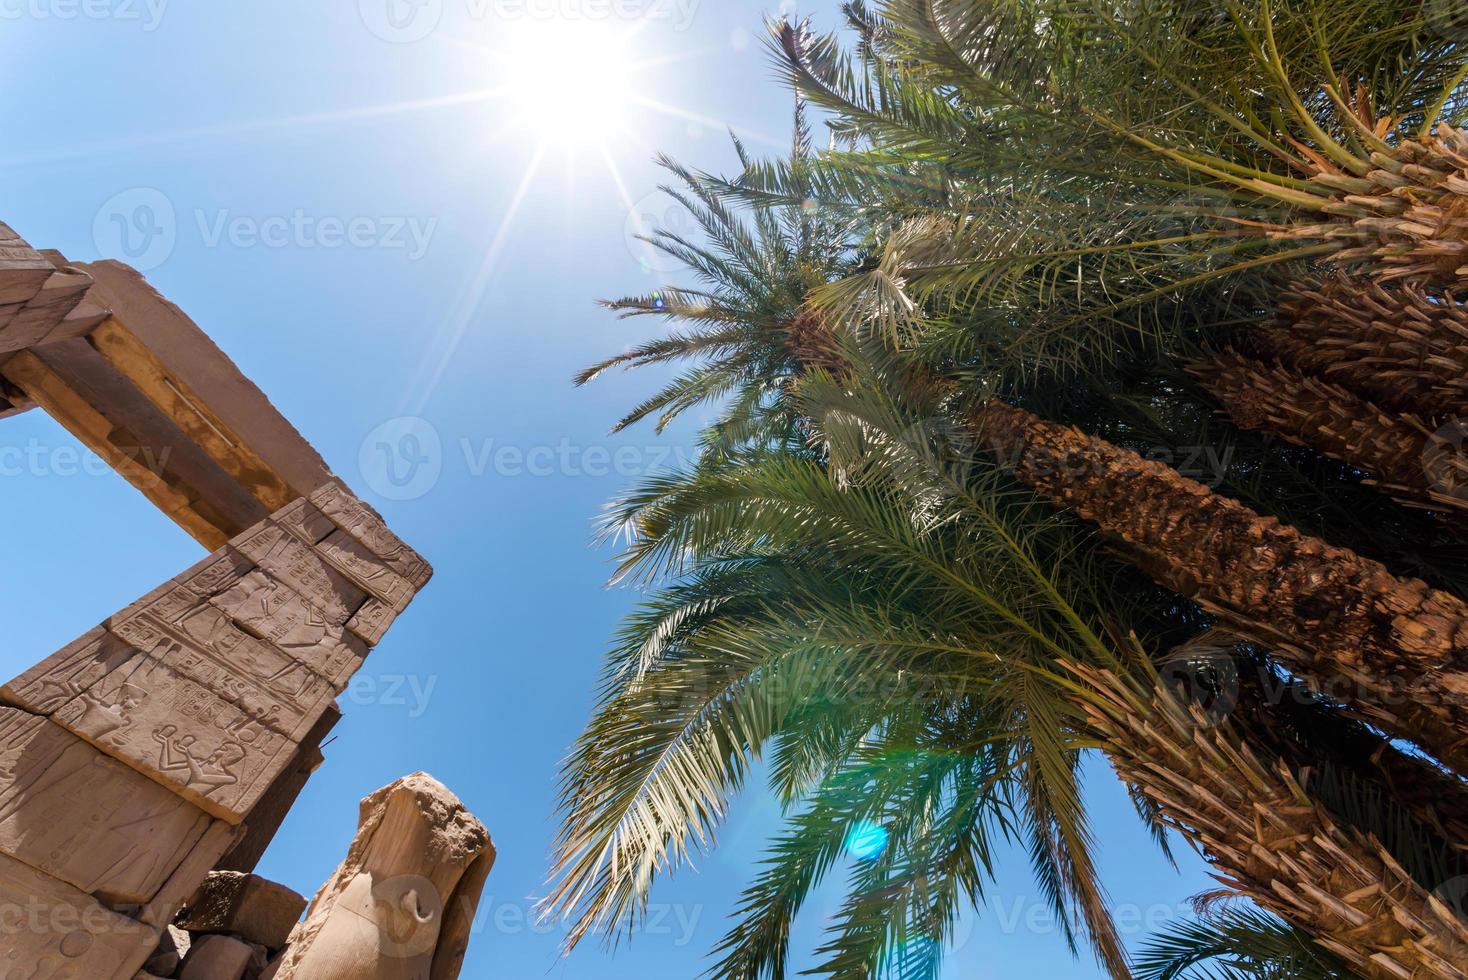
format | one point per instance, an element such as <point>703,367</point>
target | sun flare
<point>574,84</point>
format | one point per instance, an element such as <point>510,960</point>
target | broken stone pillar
<point>401,905</point>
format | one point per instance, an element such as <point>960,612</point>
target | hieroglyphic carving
<point>358,520</point>
<point>304,520</point>
<point>280,616</point>
<point>197,705</point>
<point>372,621</point>
<point>346,554</point>
<point>86,818</point>
<point>66,673</point>
<point>56,932</point>
<point>213,575</point>
<point>284,556</point>
<point>179,732</point>
<point>353,560</point>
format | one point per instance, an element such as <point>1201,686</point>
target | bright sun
<point>571,83</point>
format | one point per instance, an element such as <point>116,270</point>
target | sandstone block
<point>194,707</point>
<point>43,313</point>
<point>85,818</point>
<point>244,905</point>
<point>372,621</point>
<point>346,554</point>
<point>217,958</point>
<point>280,616</point>
<point>57,932</point>
<point>363,524</point>
<point>173,946</point>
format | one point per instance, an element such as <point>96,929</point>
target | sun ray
<point>249,126</point>
<point>430,371</point>
<point>672,110</point>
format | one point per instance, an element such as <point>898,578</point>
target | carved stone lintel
<point>399,906</point>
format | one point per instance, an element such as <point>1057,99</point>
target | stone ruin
<point>145,767</point>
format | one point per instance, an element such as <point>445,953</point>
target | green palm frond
<point>754,267</point>
<point>1235,943</point>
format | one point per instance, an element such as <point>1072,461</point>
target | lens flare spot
<point>866,841</point>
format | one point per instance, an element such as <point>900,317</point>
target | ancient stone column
<point>401,905</point>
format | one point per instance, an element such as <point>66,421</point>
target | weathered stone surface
<point>216,958</point>
<point>346,554</point>
<point>395,908</point>
<point>279,615</point>
<point>359,521</point>
<point>353,560</point>
<point>23,271</point>
<point>207,714</point>
<point>201,582</point>
<point>205,646</point>
<point>218,839</point>
<point>43,313</point>
<point>82,816</point>
<point>56,932</point>
<point>285,557</point>
<point>246,906</point>
<point>197,362</point>
<point>372,622</point>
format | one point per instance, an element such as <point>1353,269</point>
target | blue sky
<point>407,265</point>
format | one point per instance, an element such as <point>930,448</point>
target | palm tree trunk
<point>1399,647</point>
<point>1253,820</point>
<point>1404,348</point>
<point>1410,461</point>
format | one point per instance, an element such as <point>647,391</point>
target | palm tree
<point>1395,447</point>
<point>747,327</point>
<point>1086,157</point>
<point>1069,172</point>
<point>928,654</point>
<point>1404,348</point>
